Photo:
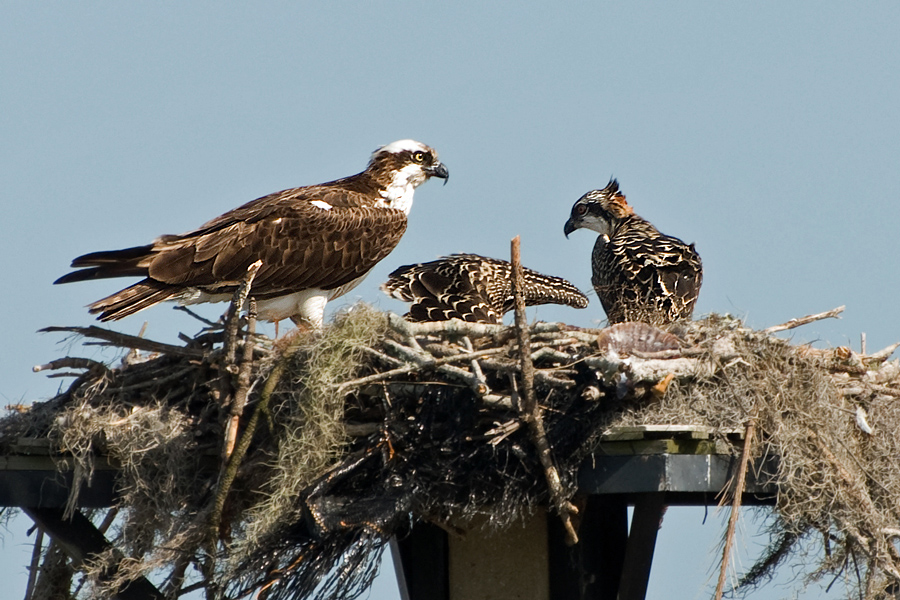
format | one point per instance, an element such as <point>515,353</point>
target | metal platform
<point>648,468</point>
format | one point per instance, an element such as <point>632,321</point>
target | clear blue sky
<point>767,133</point>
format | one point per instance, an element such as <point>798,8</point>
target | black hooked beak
<point>569,227</point>
<point>438,170</point>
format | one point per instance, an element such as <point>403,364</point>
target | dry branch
<point>828,314</point>
<point>529,409</point>
<point>735,505</point>
<point>243,383</point>
<point>123,340</point>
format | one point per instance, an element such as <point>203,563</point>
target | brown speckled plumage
<point>473,288</point>
<point>639,274</point>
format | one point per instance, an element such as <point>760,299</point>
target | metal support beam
<point>421,563</point>
<point>645,523</point>
<point>589,570</point>
<point>81,541</point>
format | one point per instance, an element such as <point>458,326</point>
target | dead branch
<point>232,315</point>
<point>234,461</point>
<point>529,409</point>
<point>243,383</point>
<point>71,362</point>
<point>123,340</point>
<point>828,314</point>
<point>883,354</point>
<point>420,360</point>
<point>451,327</point>
<point>735,505</point>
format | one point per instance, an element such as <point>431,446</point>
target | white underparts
<point>306,305</point>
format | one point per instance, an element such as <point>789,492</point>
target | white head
<point>400,167</point>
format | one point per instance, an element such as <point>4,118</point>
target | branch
<point>71,362</point>
<point>420,362</point>
<point>529,409</point>
<point>828,314</point>
<point>476,330</point>
<point>243,383</point>
<point>232,315</point>
<point>123,340</point>
<point>735,505</point>
<point>234,461</point>
<point>883,354</point>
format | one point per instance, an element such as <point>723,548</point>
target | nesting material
<point>351,435</point>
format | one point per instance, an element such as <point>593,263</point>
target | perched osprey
<point>639,273</point>
<point>473,288</point>
<point>315,243</point>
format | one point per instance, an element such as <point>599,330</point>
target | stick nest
<point>353,434</point>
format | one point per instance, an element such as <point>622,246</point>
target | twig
<point>228,395</point>
<point>424,363</point>
<point>735,505</point>
<point>425,360</point>
<point>123,340</point>
<point>388,360</point>
<point>528,406</point>
<point>240,450</point>
<point>72,362</point>
<point>828,314</point>
<point>203,320</point>
<point>453,326</point>
<point>883,389</point>
<point>232,315</point>
<point>540,375</point>
<point>481,387</point>
<point>459,327</point>
<point>883,354</point>
<point>243,383</point>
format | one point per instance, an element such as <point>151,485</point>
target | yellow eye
<point>418,156</point>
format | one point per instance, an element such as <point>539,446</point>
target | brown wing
<point>349,192</point>
<point>301,245</point>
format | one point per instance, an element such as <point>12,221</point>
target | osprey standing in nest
<point>316,243</point>
<point>639,273</point>
<point>473,288</point>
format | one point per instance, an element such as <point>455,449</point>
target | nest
<point>283,467</point>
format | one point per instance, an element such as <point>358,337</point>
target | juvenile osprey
<point>315,242</point>
<point>639,273</point>
<point>473,288</point>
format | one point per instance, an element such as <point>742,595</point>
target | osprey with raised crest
<point>639,273</point>
<point>316,243</point>
<point>473,288</point>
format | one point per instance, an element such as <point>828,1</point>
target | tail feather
<point>107,264</point>
<point>137,297</point>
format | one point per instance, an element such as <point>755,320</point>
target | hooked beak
<point>569,227</point>
<point>438,170</point>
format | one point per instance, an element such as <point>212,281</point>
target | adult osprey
<point>315,243</point>
<point>639,273</point>
<point>473,288</point>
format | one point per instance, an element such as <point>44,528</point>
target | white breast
<point>399,193</point>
